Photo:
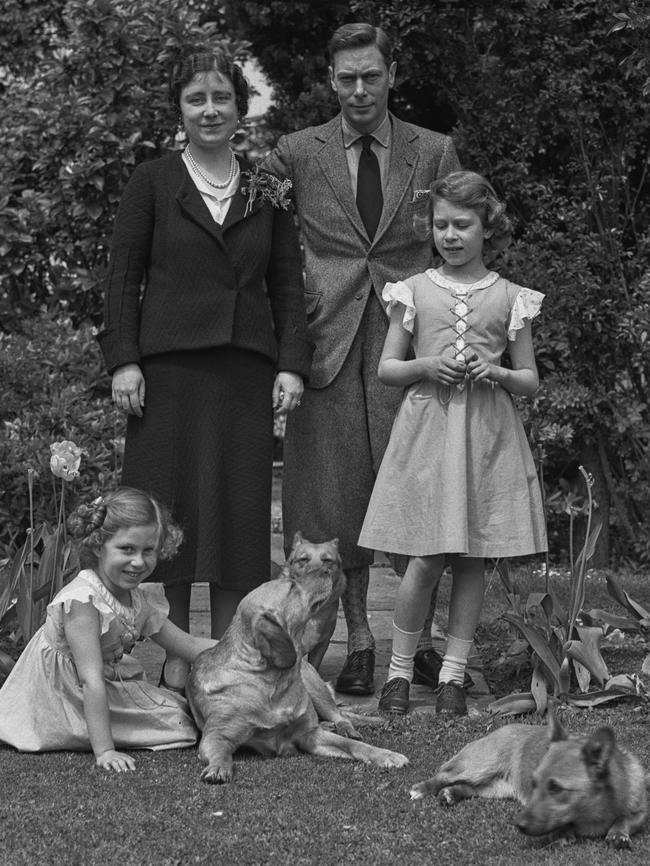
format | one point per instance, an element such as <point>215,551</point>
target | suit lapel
<point>189,199</point>
<point>192,203</point>
<point>237,209</point>
<point>404,156</point>
<point>333,162</point>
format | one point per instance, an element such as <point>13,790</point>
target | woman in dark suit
<point>205,334</point>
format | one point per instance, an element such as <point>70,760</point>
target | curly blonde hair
<point>92,524</point>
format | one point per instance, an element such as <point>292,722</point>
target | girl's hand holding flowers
<point>478,369</point>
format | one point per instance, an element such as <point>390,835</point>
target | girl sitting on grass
<point>75,686</point>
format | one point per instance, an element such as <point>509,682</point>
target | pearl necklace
<point>212,183</point>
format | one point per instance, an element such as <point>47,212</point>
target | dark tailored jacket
<point>177,280</point>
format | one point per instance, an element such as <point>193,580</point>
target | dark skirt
<point>204,449</point>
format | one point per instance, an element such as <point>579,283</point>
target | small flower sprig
<point>264,186</point>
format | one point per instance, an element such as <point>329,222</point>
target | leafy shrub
<point>52,386</point>
<point>90,93</point>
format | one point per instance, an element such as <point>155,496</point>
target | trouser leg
<point>355,608</point>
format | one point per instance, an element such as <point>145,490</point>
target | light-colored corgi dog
<point>572,786</point>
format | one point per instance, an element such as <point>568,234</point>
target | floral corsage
<point>261,186</point>
<point>422,214</point>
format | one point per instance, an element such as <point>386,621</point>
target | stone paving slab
<point>381,599</point>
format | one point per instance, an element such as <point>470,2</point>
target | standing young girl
<point>75,686</point>
<point>458,482</point>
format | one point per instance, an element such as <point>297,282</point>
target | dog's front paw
<point>619,839</point>
<point>392,759</point>
<point>216,775</point>
<point>419,791</point>
<point>345,728</point>
<point>447,797</point>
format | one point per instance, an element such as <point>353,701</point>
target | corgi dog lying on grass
<point>570,786</point>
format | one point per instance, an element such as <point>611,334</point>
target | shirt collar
<point>381,134</point>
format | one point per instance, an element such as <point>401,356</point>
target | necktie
<point>370,200</point>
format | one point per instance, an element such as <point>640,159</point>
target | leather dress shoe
<point>451,699</point>
<point>426,669</point>
<point>395,697</point>
<point>357,676</point>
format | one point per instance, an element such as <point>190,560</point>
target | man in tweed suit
<point>335,442</point>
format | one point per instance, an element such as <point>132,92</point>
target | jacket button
<point>359,296</point>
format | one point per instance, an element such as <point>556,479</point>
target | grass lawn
<point>57,808</point>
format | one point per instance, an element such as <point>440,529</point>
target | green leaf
<point>621,596</point>
<point>590,545</point>
<point>539,643</point>
<point>593,699</point>
<point>513,705</point>
<point>565,677</point>
<point>583,676</point>
<point>586,651</point>
<point>597,617</point>
<point>539,688</point>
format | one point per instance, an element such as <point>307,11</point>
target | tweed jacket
<point>177,280</point>
<point>342,264</point>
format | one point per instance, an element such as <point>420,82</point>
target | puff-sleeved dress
<point>41,702</point>
<point>458,475</point>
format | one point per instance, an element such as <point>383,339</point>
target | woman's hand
<point>287,391</point>
<point>129,389</point>
<point>118,762</point>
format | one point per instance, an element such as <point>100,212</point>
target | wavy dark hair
<point>360,35</point>
<point>200,59</point>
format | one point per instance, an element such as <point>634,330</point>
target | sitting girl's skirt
<point>41,702</point>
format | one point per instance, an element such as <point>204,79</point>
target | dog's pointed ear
<point>276,570</point>
<point>598,750</point>
<point>297,539</point>
<point>273,642</point>
<point>556,731</point>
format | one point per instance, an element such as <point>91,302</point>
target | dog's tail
<point>361,718</point>
<point>355,718</point>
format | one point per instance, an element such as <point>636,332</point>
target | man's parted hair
<point>360,35</point>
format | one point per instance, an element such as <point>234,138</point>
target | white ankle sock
<point>401,660</point>
<point>455,660</point>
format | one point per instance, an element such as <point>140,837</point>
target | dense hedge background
<point>546,98</point>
